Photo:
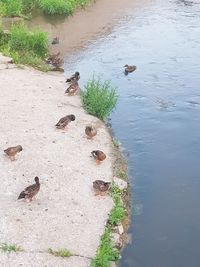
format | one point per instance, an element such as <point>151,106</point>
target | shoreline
<point>45,91</point>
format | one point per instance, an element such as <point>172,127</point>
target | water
<point>157,119</point>
<point>158,122</point>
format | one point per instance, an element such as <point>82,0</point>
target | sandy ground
<point>65,213</point>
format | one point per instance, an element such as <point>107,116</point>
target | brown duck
<point>98,155</point>
<point>129,69</point>
<point>74,77</point>
<point>73,88</point>
<point>101,187</point>
<point>12,151</point>
<point>30,191</point>
<point>90,132</point>
<point>63,122</point>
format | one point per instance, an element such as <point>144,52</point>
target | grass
<point>10,248</point>
<point>122,174</point>
<point>64,253</point>
<point>99,98</point>
<point>19,8</point>
<point>106,252</point>
<point>25,47</point>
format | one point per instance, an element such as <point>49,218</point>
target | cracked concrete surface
<point>65,213</point>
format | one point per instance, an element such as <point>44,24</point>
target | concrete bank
<point>65,213</point>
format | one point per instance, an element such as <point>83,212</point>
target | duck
<point>75,76</point>
<point>129,69</point>
<point>55,61</point>
<point>63,122</point>
<point>29,192</point>
<point>52,57</point>
<point>73,88</point>
<point>90,132</point>
<point>12,151</point>
<point>55,40</point>
<point>101,187</point>
<point>98,155</point>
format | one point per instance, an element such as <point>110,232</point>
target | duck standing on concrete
<point>73,88</point>
<point>30,191</point>
<point>12,151</point>
<point>63,122</point>
<point>129,69</point>
<point>98,155</point>
<point>74,77</point>
<point>90,132</point>
<point>101,187</point>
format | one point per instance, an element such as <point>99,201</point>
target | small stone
<point>4,60</point>
<point>113,264</point>
<point>120,183</point>
<point>120,229</point>
<point>117,240</point>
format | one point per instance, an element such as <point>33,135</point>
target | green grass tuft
<point>11,8</point>
<point>25,47</point>
<point>106,252</point>
<point>10,248</point>
<point>99,98</point>
<point>117,214</point>
<point>63,252</point>
<point>22,40</point>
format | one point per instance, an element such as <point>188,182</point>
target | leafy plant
<point>106,252</point>
<point>4,247</point>
<point>21,39</point>
<point>99,98</point>
<point>116,215</point>
<point>12,8</point>
<point>60,253</point>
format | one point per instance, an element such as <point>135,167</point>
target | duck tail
<point>22,195</point>
<point>68,80</point>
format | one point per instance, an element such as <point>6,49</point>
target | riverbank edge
<point>119,165</point>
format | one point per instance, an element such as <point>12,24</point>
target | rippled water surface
<point>157,119</point>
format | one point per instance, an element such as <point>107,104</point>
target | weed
<point>117,214</point>
<point>122,174</point>
<point>99,97</point>
<point>10,248</point>
<point>106,252</point>
<point>25,47</point>
<point>12,8</point>
<point>21,39</point>
<point>116,143</point>
<point>63,252</point>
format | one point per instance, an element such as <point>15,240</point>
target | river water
<point>157,120</point>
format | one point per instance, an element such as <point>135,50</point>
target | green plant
<point>106,252</point>
<point>12,8</point>
<point>122,174</point>
<point>63,252</point>
<point>116,143</point>
<point>99,98</point>
<point>4,247</point>
<point>21,39</point>
<point>56,6</point>
<point>116,215</point>
<point>25,47</point>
